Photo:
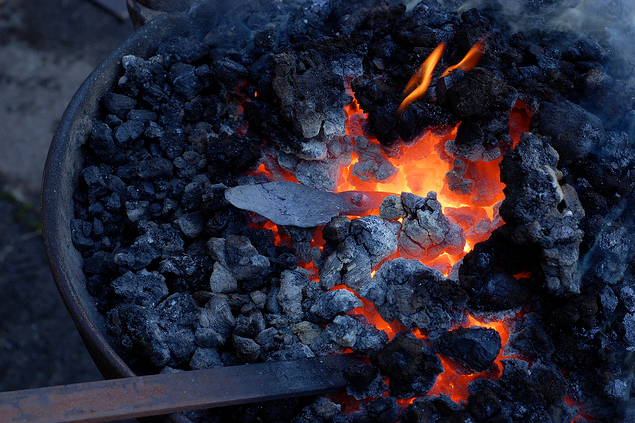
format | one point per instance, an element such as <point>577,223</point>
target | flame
<point>421,79</point>
<point>470,60</point>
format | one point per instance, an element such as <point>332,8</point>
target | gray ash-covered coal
<point>416,296</point>
<point>188,281</point>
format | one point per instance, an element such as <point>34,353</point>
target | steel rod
<point>154,395</point>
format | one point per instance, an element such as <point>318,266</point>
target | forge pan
<point>61,171</point>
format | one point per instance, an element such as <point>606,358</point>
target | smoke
<point>235,23</point>
<point>610,22</point>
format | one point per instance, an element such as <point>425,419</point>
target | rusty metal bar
<point>153,395</point>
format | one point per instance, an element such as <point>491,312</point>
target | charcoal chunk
<point>540,212</point>
<point>336,230</point>
<point>94,180</point>
<point>128,131</point>
<point>479,92</point>
<point>102,143</point>
<point>99,262</point>
<point>574,132</point>
<point>319,107</point>
<point>146,289</point>
<point>432,407</point>
<point>411,367</point>
<point>140,73</point>
<point>392,208</point>
<point>149,170</point>
<point>378,236</point>
<point>137,330</point>
<point>363,244</point>
<point>349,332</point>
<point>163,335</point>
<point>247,349</point>
<point>184,80</point>
<point>415,295</point>
<point>208,338</point>
<point>364,381</point>
<point>332,303</point>
<point>229,72</point>
<point>475,348</point>
<point>205,358</point>
<point>497,291</point>
<point>307,332</point>
<point>243,259</point>
<point>192,224</point>
<point>425,231</point>
<point>321,410</point>
<point>372,164</point>
<point>179,315</point>
<point>118,104</point>
<point>289,297</point>
<point>531,339</point>
<point>222,281</point>
<point>381,410</point>
<point>217,315</point>
<point>81,236</point>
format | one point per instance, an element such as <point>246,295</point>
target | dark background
<point>47,48</point>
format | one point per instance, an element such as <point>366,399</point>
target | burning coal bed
<point>482,262</point>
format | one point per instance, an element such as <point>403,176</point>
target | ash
<point>187,281</point>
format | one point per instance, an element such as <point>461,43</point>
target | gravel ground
<point>47,48</point>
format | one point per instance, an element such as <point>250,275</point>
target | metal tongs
<point>154,395</point>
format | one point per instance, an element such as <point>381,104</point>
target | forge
<point>442,188</point>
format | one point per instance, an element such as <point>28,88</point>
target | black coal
<point>188,281</point>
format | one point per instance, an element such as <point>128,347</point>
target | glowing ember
<point>498,326</point>
<point>421,167</point>
<point>519,120</point>
<point>452,382</point>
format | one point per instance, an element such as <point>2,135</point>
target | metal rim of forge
<point>61,171</point>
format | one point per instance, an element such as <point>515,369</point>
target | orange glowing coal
<point>453,382</point>
<point>419,82</point>
<point>422,167</point>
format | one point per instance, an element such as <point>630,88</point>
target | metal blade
<point>294,204</point>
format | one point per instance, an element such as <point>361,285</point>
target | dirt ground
<point>47,48</point>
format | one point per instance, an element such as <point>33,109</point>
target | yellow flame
<point>470,60</point>
<point>421,79</point>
